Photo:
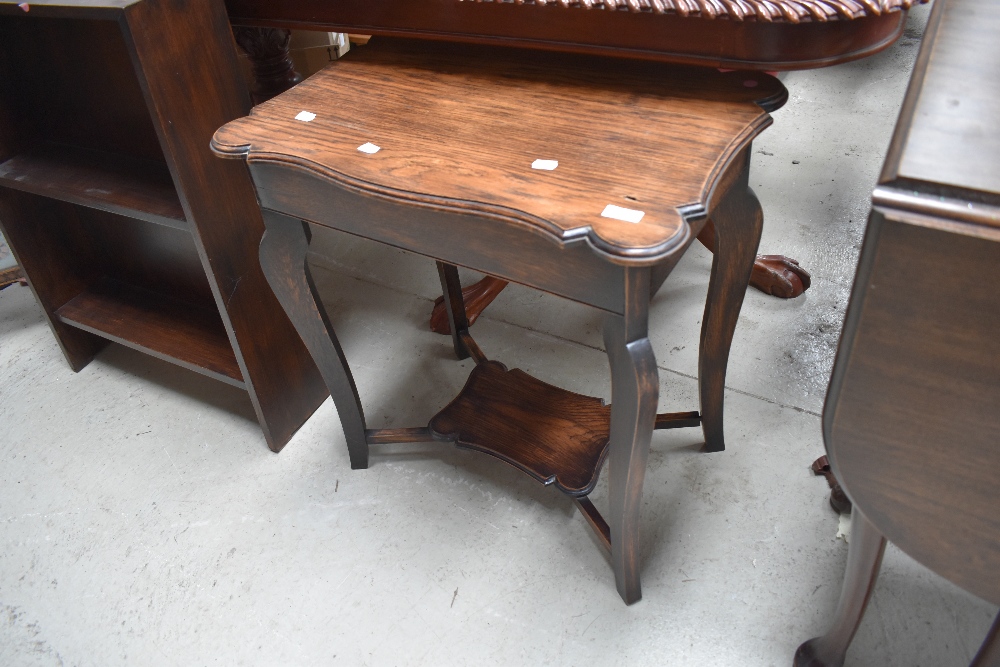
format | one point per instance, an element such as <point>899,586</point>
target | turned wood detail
<point>792,11</point>
<point>270,59</point>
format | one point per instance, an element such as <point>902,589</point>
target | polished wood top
<point>950,116</point>
<point>448,120</point>
<point>741,34</point>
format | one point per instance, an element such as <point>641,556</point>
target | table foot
<point>779,276</point>
<point>476,297</point>
<point>13,275</point>
<point>838,499</point>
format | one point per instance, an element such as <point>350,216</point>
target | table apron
<point>515,252</point>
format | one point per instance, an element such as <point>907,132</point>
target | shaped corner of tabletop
<point>623,154</point>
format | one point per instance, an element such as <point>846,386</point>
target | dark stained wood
<point>283,259</point>
<point>785,43</point>
<point>11,275</point>
<point>475,297</point>
<point>111,105</point>
<point>911,422</point>
<point>779,276</point>
<point>864,559</point>
<point>458,323</point>
<point>595,521</point>
<point>138,188</point>
<point>458,129</point>
<point>553,435</point>
<point>764,35</point>
<point>635,389</point>
<point>273,69</point>
<point>949,108</point>
<point>284,384</point>
<point>566,270</point>
<point>382,436</point>
<point>666,420</point>
<point>409,115</point>
<point>738,223</point>
<point>172,330</point>
<point>49,242</point>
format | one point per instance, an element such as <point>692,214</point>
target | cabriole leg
<point>738,224</point>
<point>634,393</point>
<point>283,259</point>
<point>864,558</point>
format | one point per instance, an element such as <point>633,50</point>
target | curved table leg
<point>476,297</point>
<point>283,259</point>
<point>634,393</point>
<point>989,652</point>
<point>864,558</point>
<point>736,235</point>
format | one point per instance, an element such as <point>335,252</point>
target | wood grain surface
<point>682,36</point>
<point>950,136</point>
<point>450,123</point>
<point>128,186</point>
<point>554,435</point>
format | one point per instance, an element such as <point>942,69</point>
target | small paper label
<point>545,165</point>
<point>622,213</point>
<point>369,148</point>
<point>305,116</point>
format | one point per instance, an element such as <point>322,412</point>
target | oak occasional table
<point>430,147</point>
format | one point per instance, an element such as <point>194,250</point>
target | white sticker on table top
<point>545,165</point>
<point>622,213</point>
<point>305,116</point>
<point>369,148</point>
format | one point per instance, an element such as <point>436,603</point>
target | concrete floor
<point>144,522</point>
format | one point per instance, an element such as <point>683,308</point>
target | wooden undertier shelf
<point>136,188</point>
<point>166,328</point>
<point>554,435</point>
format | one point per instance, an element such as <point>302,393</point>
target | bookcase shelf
<point>156,324</point>
<point>134,187</point>
<point>106,114</point>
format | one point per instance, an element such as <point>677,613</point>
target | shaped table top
<point>460,128</point>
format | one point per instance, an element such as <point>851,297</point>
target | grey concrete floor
<point>144,522</point>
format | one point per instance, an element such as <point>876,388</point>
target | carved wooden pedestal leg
<point>283,258</point>
<point>864,558</point>
<point>738,225</point>
<point>634,394</point>
<point>273,70</point>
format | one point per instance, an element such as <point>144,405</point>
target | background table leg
<point>738,224</point>
<point>863,562</point>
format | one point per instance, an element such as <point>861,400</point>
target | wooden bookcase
<point>127,226</point>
